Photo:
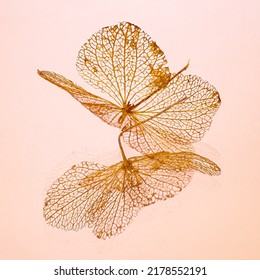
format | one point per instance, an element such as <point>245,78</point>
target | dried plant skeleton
<point>160,114</point>
<point>124,63</point>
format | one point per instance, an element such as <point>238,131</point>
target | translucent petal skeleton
<point>107,198</point>
<point>122,61</point>
<point>160,115</point>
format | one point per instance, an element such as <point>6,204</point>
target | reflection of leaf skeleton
<point>141,86</point>
<point>107,198</point>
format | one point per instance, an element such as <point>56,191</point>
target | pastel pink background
<point>44,131</point>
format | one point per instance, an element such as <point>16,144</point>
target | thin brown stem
<point>121,149</point>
